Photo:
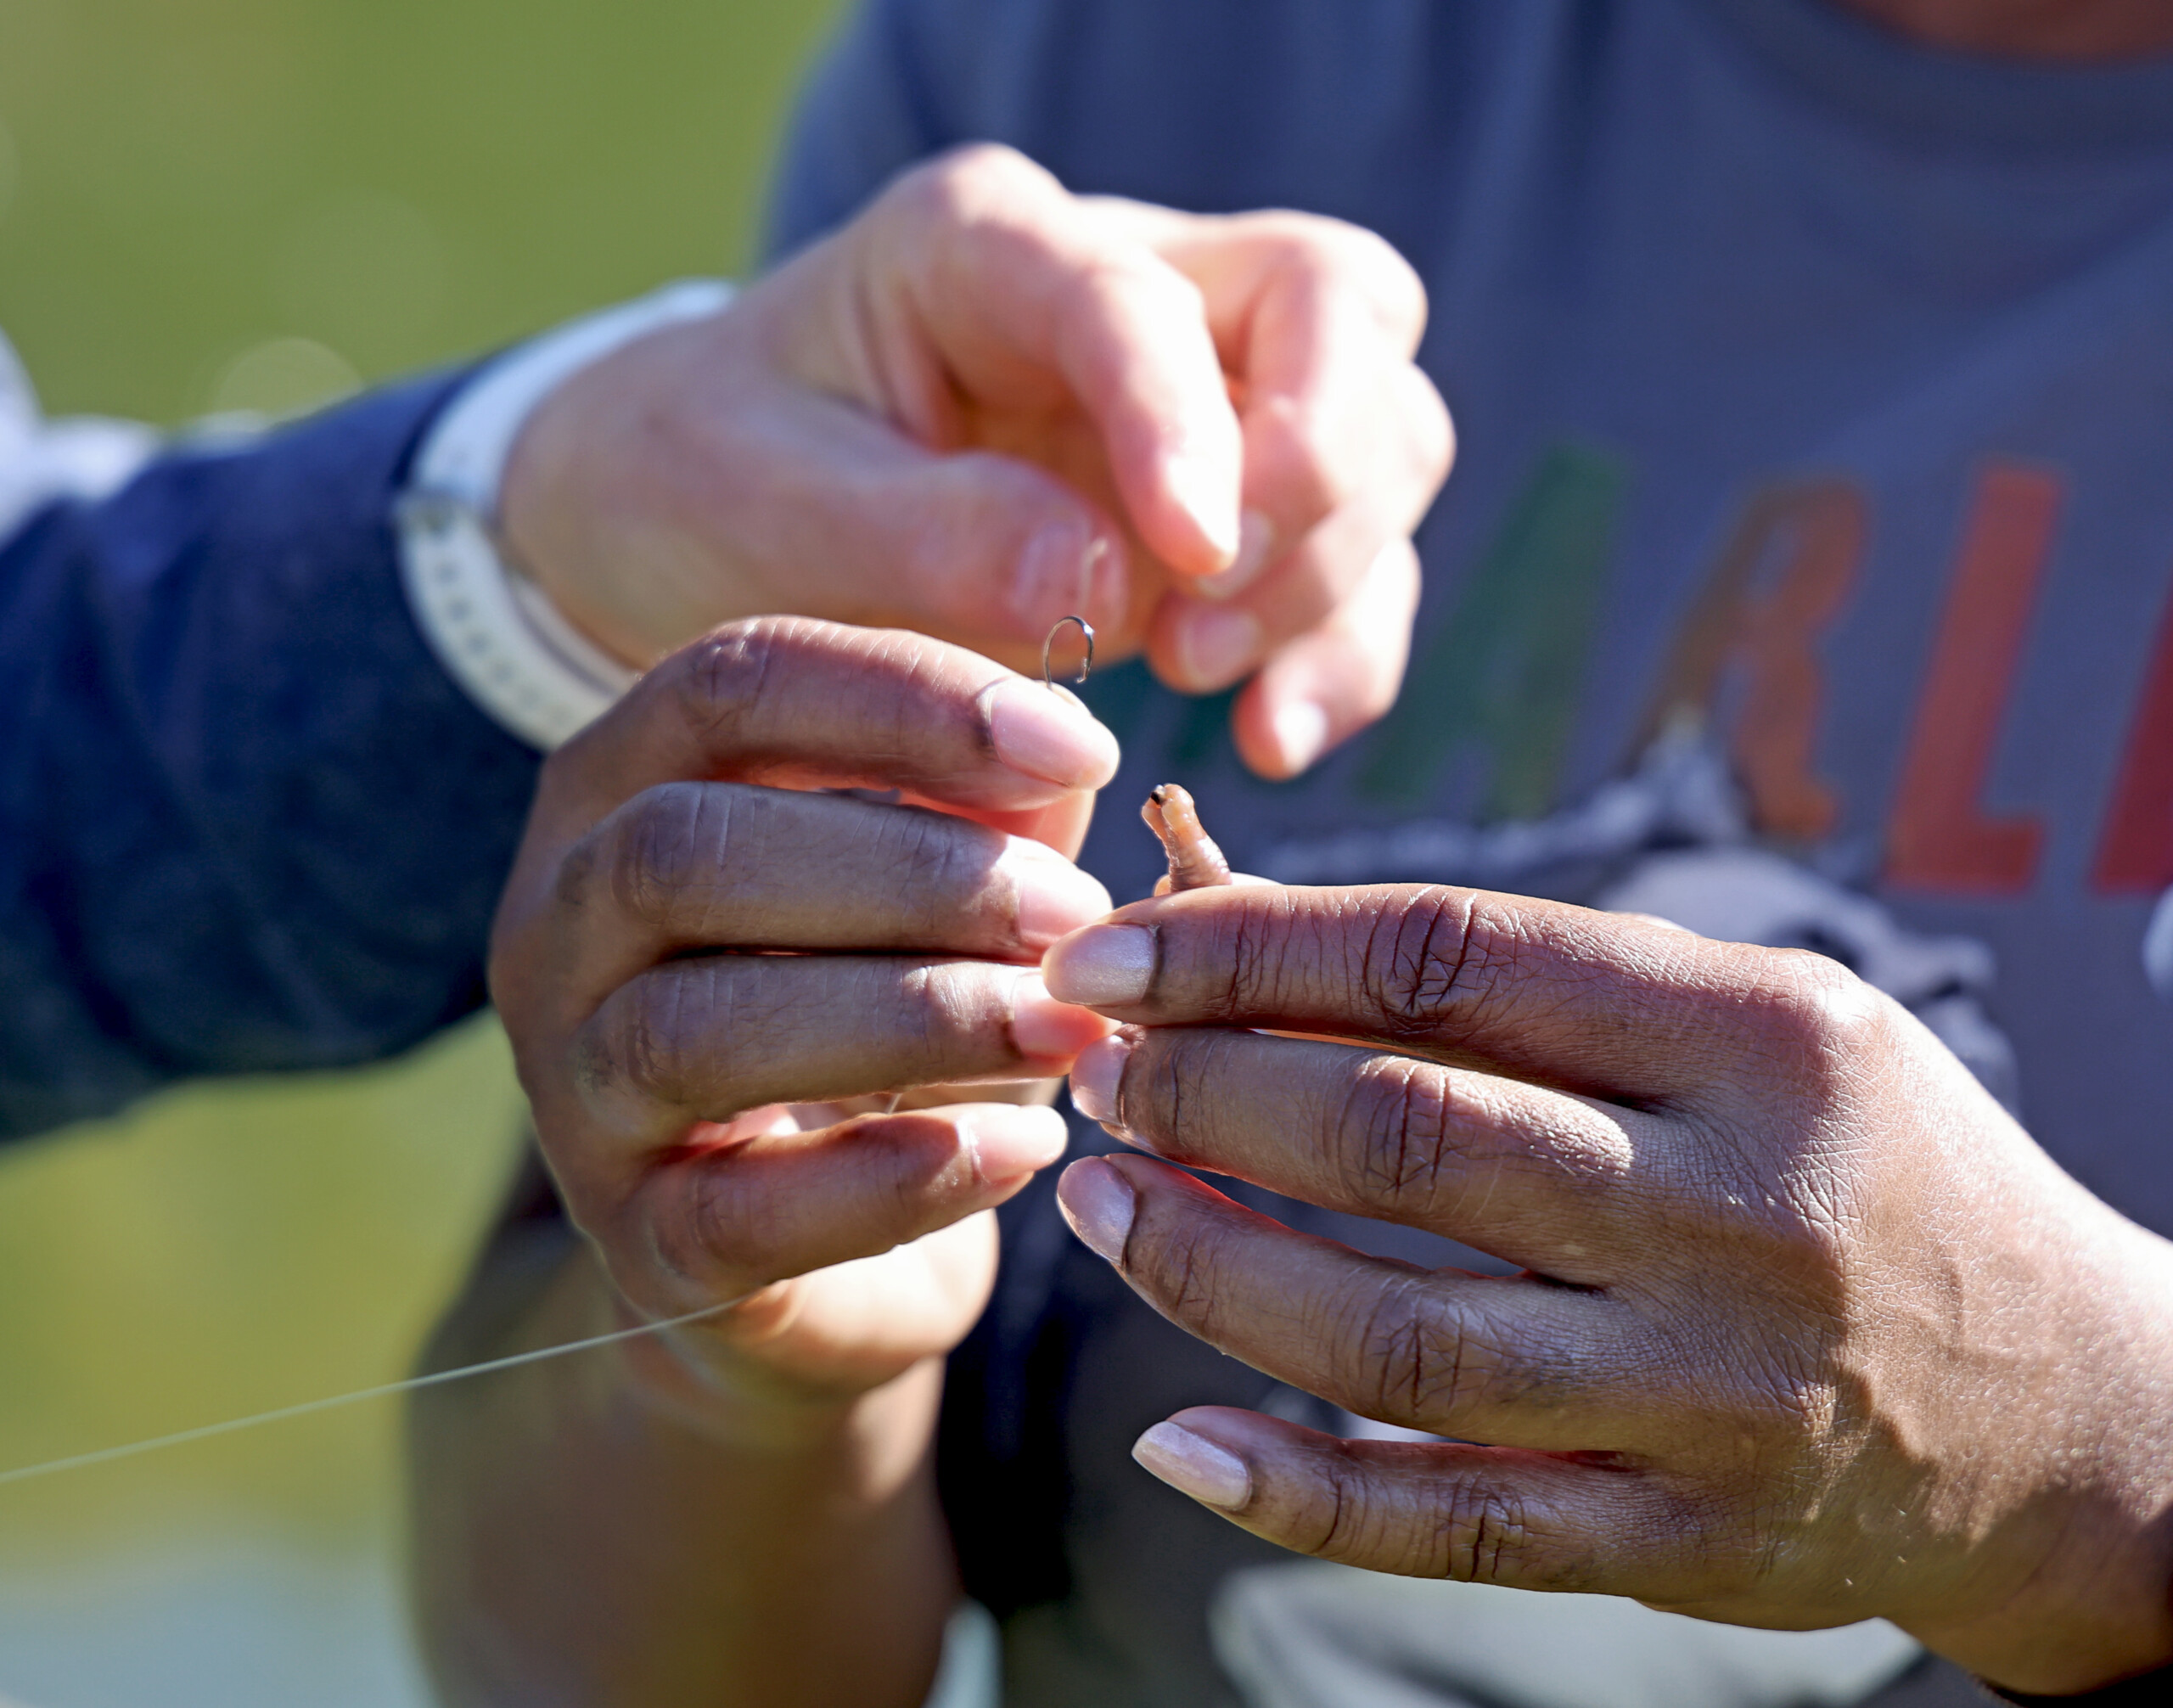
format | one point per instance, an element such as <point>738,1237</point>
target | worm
<point>1195,863</point>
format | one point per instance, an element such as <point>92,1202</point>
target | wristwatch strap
<point>497,633</point>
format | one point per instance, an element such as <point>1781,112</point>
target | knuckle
<point>726,677</point>
<point>1487,1534</point>
<point>727,1226</point>
<point>636,1047</point>
<point>1427,957</point>
<point>1394,1131</point>
<point>1430,430</point>
<point>1391,283</point>
<point>1361,261</point>
<point>1109,283</point>
<point>1819,1017</point>
<point>934,1006</point>
<point>669,842</point>
<point>1165,1081</point>
<point>1425,1365</point>
<point>575,886</point>
<point>959,183</point>
<point>1468,1530</point>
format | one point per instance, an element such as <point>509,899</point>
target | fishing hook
<point>1087,669</point>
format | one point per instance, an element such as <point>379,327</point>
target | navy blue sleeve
<point>246,822</point>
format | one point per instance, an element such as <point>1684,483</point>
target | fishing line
<point>204,1432</point>
<point>332,1402</point>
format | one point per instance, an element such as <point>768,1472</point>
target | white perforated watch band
<point>496,633</point>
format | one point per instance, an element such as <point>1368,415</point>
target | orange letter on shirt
<point>1783,576</point>
<point>1941,838</point>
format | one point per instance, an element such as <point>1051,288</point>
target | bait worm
<point>1195,863</point>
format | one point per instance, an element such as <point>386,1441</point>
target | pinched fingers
<point>709,1037</point>
<point>1551,1182</point>
<point>1475,1514</point>
<point>1516,1361</point>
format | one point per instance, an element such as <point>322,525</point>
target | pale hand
<point>985,404</point>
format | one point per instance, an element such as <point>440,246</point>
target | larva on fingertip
<point>1195,863</point>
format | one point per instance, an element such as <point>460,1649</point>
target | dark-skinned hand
<point>702,959</point>
<point>1809,1331</point>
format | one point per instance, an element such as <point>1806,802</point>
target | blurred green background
<point>217,205</point>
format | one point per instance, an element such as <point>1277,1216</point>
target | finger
<point>1327,685</point>
<point>724,1222</point>
<point>1016,289</point>
<point>1319,320</point>
<point>880,530</point>
<point>1229,255</point>
<point>1514,1361</point>
<point>1475,1514</point>
<point>687,866</point>
<point>710,1037</point>
<point>1534,1176</point>
<point>1335,418</point>
<point>1205,638</point>
<point>800,703</point>
<point>1202,646</point>
<point>1584,1001</point>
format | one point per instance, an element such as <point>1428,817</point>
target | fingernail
<point>1192,1464</point>
<point>1096,1075</point>
<point>1103,966</point>
<point>1098,1203</point>
<point>1206,486</point>
<point>1064,568</point>
<point>1216,645</point>
<point>1255,541</point>
<point>1051,895</point>
<point>1301,729</point>
<point>1020,1141</point>
<point>1042,1027</point>
<point>1049,737</point>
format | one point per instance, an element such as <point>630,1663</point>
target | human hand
<point>699,958</point>
<point>986,403</point>
<point>1810,1331</point>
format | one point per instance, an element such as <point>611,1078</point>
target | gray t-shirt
<point>1806,574</point>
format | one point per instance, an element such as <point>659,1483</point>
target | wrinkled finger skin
<point>986,403</point>
<point>1809,1330</point>
<point>705,954</point>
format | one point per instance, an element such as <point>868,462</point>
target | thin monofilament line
<point>332,1402</point>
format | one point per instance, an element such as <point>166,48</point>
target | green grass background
<point>212,204</point>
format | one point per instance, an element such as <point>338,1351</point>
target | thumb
<point>853,521</point>
<point>994,553</point>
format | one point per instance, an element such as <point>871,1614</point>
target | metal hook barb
<point>1087,669</point>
